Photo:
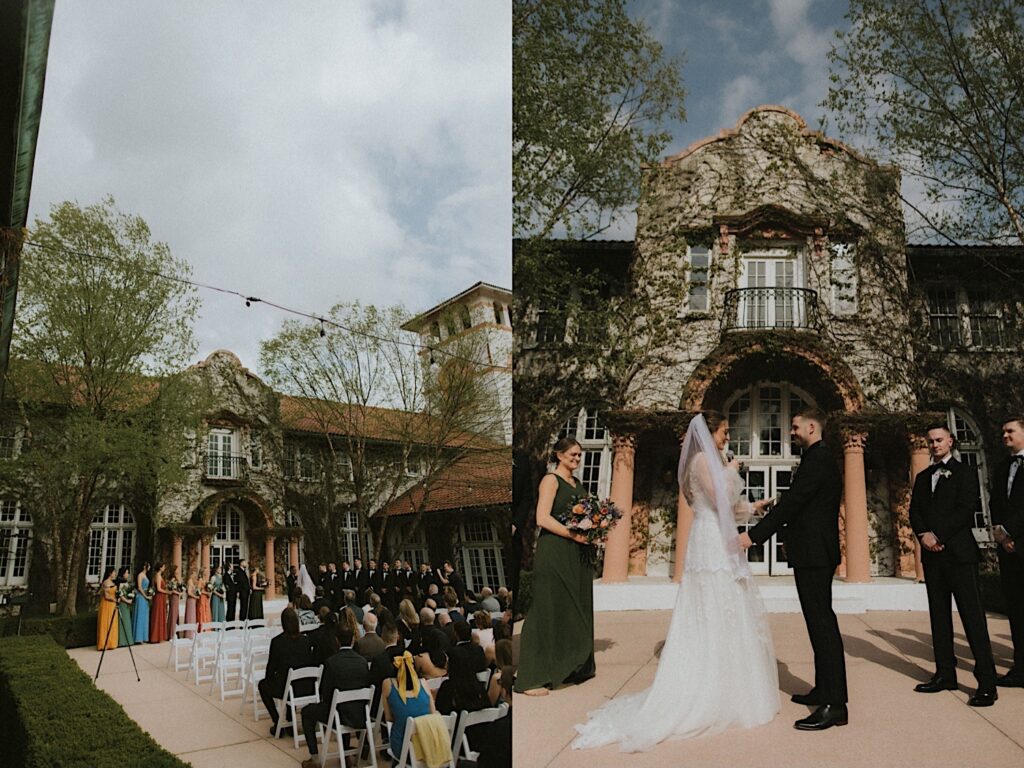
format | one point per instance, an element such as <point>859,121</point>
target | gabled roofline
<point>410,325</point>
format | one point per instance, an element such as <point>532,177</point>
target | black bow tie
<point>1018,459</point>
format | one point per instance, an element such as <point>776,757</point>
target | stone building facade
<point>778,257</point>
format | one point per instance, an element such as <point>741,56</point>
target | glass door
<point>770,300</point>
<point>761,481</point>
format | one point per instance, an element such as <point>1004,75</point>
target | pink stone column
<point>205,556</point>
<point>855,500</point>
<point>919,459</point>
<point>616,552</point>
<point>269,568</point>
<point>293,552</point>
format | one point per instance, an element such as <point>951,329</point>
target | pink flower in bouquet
<point>585,524</point>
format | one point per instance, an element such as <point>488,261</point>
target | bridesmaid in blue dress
<point>218,607</point>
<point>140,608</point>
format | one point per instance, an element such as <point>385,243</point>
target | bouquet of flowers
<point>127,591</point>
<point>210,586</point>
<point>261,583</point>
<point>173,585</point>
<point>591,518</point>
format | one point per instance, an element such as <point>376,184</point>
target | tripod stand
<point>106,639</point>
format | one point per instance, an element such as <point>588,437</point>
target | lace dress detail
<point>717,668</point>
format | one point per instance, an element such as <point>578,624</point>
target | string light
<point>250,300</point>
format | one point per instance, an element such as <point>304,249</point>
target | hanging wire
<point>250,300</point>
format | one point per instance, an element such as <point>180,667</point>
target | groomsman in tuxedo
<point>360,579</point>
<point>942,508</point>
<point>244,588</point>
<point>231,590</point>
<point>809,510</point>
<point>345,580</point>
<point>375,576</point>
<point>398,583</point>
<point>1006,499</point>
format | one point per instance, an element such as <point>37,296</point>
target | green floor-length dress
<point>557,645</point>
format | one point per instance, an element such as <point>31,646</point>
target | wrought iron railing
<point>224,466</point>
<point>767,308</point>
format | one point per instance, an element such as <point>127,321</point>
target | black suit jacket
<point>242,583</point>
<point>1008,512</point>
<point>376,577</point>
<point>457,583</point>
<point>807,515</point>
<point>288,653</point>
<point>471,653</point>
<point>345,671</point>
<point>361,581</point>
<point>948,512</point>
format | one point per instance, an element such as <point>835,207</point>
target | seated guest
<point>321,601</point>
<point>506,670</point>
<point>470,605</point>
<point>346,670</point>
<point>384,616</point>
<point>382,666</point>
<point>404,697</point>
<point>488,602</point>
<point>370,644</point>
<point>451,603</point>
<point>466,649</point>
<point>348,618</point>
<point>408,622</point>
<point>305,612</point>
<point>325,637</point>
<point>463,691</point>
<point>431,637</point>
<point>350,603</point>
<point>373,605</point>
<point>433,665</point>
<point>483,632</point>
<point>504,598</point>
<point>289,650</point>
<point>445,624</point>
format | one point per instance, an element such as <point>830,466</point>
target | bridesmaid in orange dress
<point>158,612</point>
<point>205,616</point>
<point>106,617</point>
<point>191,596</point>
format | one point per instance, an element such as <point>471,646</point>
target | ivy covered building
<point>262,483</point>
<point>774,272</point>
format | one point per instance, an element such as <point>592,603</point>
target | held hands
<point>761,505</point>
<point>930,542</point>
<point>744,540</point>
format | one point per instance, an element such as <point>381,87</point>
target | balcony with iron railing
<point>225,467</point>
<point>750,309</point>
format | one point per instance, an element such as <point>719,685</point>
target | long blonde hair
<point>407,612</point>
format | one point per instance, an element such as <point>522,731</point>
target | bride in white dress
<point>717,668</point>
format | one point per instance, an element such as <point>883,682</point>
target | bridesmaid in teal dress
<point>124,607</point>
<point>557,645</point>
<point>140,608</point>
<point>218,607</point>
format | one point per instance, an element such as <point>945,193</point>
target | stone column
<point>919,460</point>
<point>855,500</point>
<point>176,555</point>
<point>205,555</point>
<point>293,552</point>
<point>616,553</point>
<point>269,568</point>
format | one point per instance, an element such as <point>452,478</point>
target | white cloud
<point>738,96</point>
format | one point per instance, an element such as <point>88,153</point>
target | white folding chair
<point>255,671</point>
<point>203,657</point>
<point>408,756</point>
<point>213,626</point>
<point>230,662</point>
<point>177,643</point>
<point>433,683</point>
<point>460,744</point>
<point>235,624</point>
<point>291,703</point>
<point>484,677</point>
<point>337,729</point>
<point>255,623</point>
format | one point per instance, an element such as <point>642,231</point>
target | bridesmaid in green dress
<point>124,606</point>
<point>557,645</point>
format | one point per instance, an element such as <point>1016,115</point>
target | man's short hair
<point>463,631</point>
<point>370,621</point>
<point>389,633</point>
<point>940,425</point>
<point>810,413</point>
<point>426,615</point>
<point>1014,417</point>
<point>344,634</point>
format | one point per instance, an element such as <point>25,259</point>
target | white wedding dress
<point>717,668</point>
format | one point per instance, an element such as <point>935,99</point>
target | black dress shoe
<point>810,698</point>
<point>935,685</point>
<point>823,717</point>
<point>1012,679</point>
<point>986,699</point>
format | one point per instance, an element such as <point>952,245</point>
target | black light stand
<point>110,626</point>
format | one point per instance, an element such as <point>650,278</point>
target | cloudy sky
<point>308,153</point>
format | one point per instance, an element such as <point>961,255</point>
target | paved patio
<point>888,652</point>
<point>184,719</point>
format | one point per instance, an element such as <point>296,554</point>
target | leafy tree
<point>380,410</point>
<point>99,333</point>
<point>937,87</point>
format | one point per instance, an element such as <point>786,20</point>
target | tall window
<point>349,535</point>
<point>111,540</point>
<point>960,316</point>
<point>844,279</point>
<point>499,313</point>
<point>228,545</point>
<point>221,457</point>
<point>595,468</point>
<point>481,555</point>
<point>985,319</point>
<point>551,323</point>
<point>759,419</point>
<point>8,439</point>
<point>299,462</point>
<point>415,550</point>
<point>435,329</point>
<point>972,453</point>
<point>467,321</point>
<point>699,262</point>
<point>15,536</point>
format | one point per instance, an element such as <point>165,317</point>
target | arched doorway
<point>229,543</point>
<point>759,418</point>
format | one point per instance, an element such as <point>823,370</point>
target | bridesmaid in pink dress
<point>158,612</point>
<point>173,602</point>
<point>191,597</point>
<point>205,615</point>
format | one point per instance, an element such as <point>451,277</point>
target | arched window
<point>972,453</point>
<point>595,468</point>
<point>111,541</point>
<point>759,418</point>
<point>15,536</point>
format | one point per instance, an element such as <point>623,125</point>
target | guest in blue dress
<point>404,696</point>
<point>140,607</point>
<point>218,607</point>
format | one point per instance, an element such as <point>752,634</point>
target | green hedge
<point>51,714</point>
<point>67,631</point>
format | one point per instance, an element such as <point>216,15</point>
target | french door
<point>765,481</point>
<point>770,300</point>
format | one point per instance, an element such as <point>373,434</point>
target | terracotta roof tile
<point>478,480</point>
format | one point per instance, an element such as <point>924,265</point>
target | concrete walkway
<point>184,719</point>
<point>890,725</point>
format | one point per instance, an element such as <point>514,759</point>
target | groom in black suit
<point>942,515</point>
<point>808,517</point>
<point>1007,502</point>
